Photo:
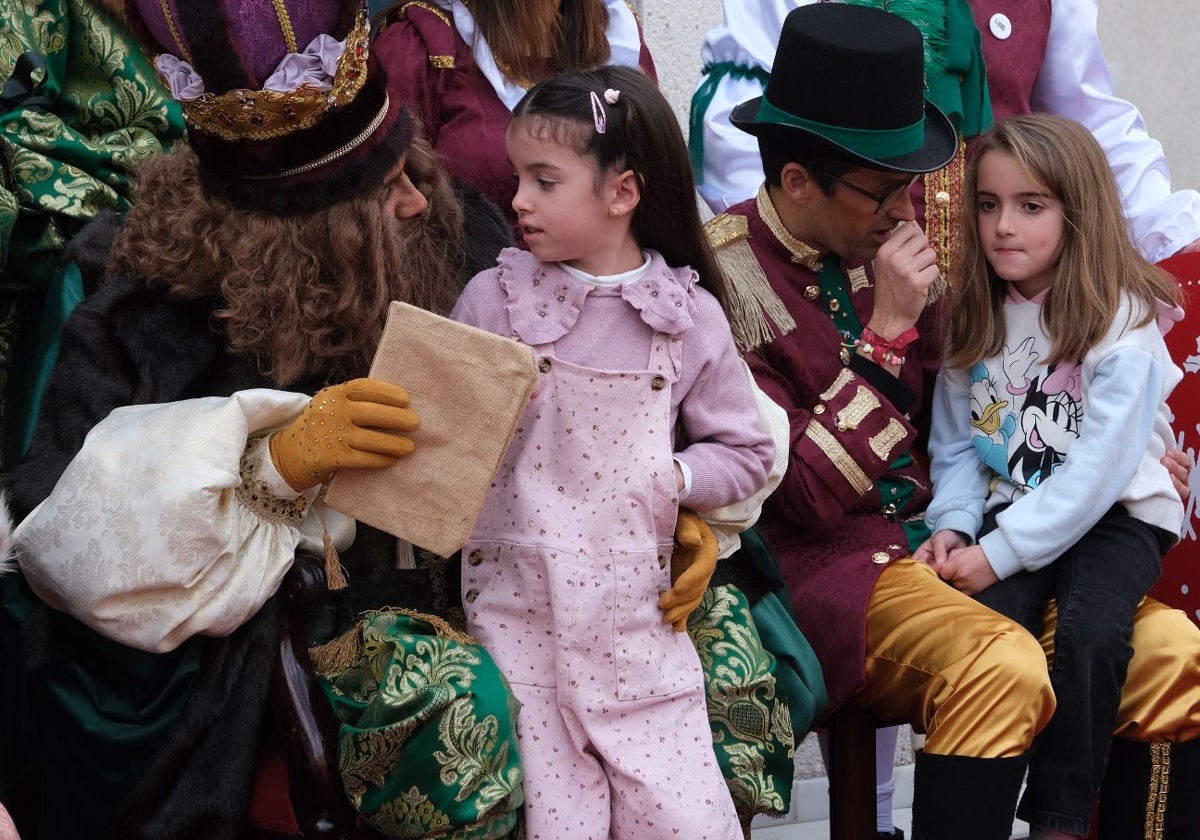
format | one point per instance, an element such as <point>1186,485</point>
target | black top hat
<point>853,77</point>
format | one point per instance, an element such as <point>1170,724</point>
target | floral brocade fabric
<point>428,743</point>
<point>80,109</point>
<point>751,724</point>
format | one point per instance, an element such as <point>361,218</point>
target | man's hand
<point>696,554</point>
<point>359,424</point>
<point>905,267</point>
<point>967,570</point>
<point>937,548</point>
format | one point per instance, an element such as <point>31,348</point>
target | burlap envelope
<point>470,388</point>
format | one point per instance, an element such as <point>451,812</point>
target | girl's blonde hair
<point>1098,264</point>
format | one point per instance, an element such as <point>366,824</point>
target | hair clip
<point>611,96</point>
<point>598,113</point>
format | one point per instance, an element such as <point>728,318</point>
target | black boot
<point>958,797</point>
<point>1150,790</point>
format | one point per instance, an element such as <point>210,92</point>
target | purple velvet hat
<point>286,108</point>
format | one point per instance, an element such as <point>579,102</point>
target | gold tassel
<point>338,654</point>
<point>753,304</point>
<point>335,575</point>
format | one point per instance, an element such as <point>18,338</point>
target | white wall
<point>1153,47</point>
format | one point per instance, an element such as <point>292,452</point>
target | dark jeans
<point>1098,584</point>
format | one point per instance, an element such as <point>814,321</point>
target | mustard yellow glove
<point>692,567</point>
<point>358,424</point>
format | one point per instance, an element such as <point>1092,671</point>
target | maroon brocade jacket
<point>827,524</point>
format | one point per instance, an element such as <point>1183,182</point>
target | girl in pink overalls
<point>642,405</point>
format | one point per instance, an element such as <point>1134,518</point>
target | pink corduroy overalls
<point>561,580</point>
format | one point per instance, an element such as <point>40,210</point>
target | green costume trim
<point>713,73</point>
<point>872,143</point>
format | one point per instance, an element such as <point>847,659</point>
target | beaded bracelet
<point>880,355</point>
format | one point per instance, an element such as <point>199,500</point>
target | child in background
<point>643,405</point>
<point>1049,422</point>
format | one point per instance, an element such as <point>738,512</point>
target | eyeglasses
<point>882,202</point>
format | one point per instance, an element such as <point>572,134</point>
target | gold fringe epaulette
<point>753,304</point>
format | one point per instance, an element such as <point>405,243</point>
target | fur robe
<point>189,779</point>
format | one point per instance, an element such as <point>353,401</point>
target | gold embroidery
<point>858,279</point>
<point>844,378</point>
<point>753,304</point>
<point>285,24</point>
<point>802,254</point>
<point>166,9</point>
<point>841,459</point>
<point>857,410</point>
<point>943,200</point>
<point>884,442</point>
<point>1160,784</point>
<point>429,7</point>
<point>442,62</point>
<point>725,229</point>
<point>266,114</point>
<point>258,496</point>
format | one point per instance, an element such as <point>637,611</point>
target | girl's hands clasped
<point>358,424</point>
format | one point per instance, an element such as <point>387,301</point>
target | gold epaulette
<point>753,304</point>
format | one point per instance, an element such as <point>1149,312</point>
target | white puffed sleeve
<point>172,521</point>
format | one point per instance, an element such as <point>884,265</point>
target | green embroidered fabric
<point>749,715</point>
<point>80,108</point>
<point>428,742</point>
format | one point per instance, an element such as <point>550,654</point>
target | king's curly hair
<point>303,295</point>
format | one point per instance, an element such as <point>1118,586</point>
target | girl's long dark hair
<point>641,135</point>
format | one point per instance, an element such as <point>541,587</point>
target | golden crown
<point>266,114</point>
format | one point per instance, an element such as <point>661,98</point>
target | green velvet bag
<point>428,741</point>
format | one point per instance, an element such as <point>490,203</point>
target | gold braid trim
<point>885,441</point>
<point>441,62</point>
<point>257,495</point>
<point>166,9</point>
<point>429,7</point>
<point>857,410</point>
<point>802,254</point>
<point>285,24</point>
<point>943,217</point>
<point>844,377</point>
<point>841,459</point>
<point>753,304</point>
<point>1160,785</point>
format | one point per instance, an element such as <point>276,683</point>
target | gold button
<point>811,292</point>
<point>845,355</point>
<point>834,306</point>
<point>472,594</point>
<point>818,409</point>
<point>662,561</point>
<point>658,383</point>
<point>544,365</point>
<point>475,557</point>
<point>878,558</point>
<point>889,509</point>
<point>942,199</point>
